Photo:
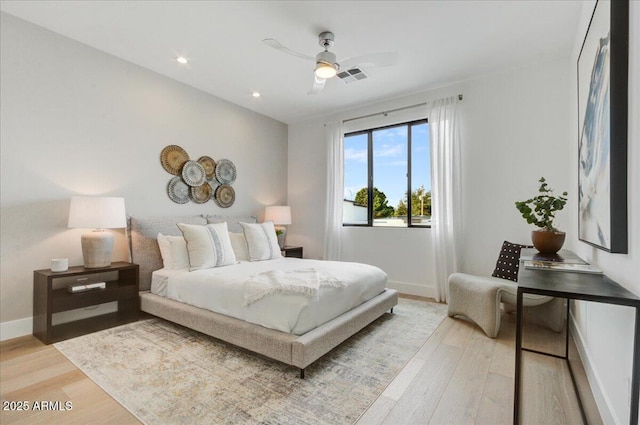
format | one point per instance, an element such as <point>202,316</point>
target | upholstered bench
<point>479,298</point>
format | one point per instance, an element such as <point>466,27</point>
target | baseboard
<point>602,401</point>
<point>16,328</point>
<point>413,289</point>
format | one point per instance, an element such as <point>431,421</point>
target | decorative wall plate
<point>225,196</point>
<point>173,158</point>
<point>193,173</point>
<point>214,186</point>
<point>201,194</point>
<point>178,191</point>
<point>225,171</point>
<point>209,166</point>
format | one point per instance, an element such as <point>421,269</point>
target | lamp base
<point>97,249</point>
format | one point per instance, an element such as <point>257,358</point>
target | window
<point>381,167</point>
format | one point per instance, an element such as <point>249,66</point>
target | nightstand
<point>51,297</point>
<point>292,251</point>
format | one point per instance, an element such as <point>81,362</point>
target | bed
<point>299,345</point>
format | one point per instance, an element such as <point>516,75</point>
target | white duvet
<point>221,289</point>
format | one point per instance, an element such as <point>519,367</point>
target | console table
<point>575,286</point>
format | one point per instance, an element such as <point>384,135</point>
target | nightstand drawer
<point>292,251</point>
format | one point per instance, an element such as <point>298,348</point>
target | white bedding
<point>221,289</point>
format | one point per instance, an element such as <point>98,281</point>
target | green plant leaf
<point>544,206</point>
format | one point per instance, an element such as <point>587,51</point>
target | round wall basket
<point>198,181</point>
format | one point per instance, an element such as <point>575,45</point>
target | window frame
<point>369,132</point>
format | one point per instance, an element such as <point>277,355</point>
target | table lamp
<point>97,213</point>
<point>279,215</point>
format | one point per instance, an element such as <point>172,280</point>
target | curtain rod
<point>392,110</point>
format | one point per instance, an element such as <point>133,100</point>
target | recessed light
<point>255,94</point>
<point>182,60</point>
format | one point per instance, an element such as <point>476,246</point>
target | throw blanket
<point>295,282</point>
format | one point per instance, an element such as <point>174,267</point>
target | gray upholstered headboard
<point>143,234</point>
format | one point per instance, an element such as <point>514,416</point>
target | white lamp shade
<point>97,213</point>
<point>279,215</point>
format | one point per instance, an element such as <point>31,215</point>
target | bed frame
<point>295,350</point>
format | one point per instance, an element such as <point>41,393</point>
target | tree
<point>420,203</point>
<point>381,208</point>
<point>401,209</point>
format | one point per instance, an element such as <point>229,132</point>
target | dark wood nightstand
<point>292,251</point>
<point>50,298</point>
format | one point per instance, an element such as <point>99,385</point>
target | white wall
<point>77,121</point>
<point>607,331</point>
<point>514,130</point>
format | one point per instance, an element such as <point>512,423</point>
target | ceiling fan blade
<point>370,60</point>
<point>276,45</point>
<point>318,85</point>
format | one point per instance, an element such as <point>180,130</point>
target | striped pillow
<point>262,242</point>
<point>208,246</point>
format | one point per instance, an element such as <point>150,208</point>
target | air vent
<point>351,75</point>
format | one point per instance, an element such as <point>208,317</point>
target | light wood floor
<point>458,377</point>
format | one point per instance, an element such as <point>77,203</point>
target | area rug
<point>167,374</point>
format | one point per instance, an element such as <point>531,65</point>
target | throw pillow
<point>262,242</point>
<point>239,245</point>
<point>208,246</point>
<point>173,250</point>
<point>509,261</point>
<point>165,250</point>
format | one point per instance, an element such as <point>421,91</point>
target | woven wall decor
<point>198,181</point>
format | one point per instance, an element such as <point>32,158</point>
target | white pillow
<point>239,245</point>
<point>208,246</point>
<point>165,250</point>
<point>173,250</point>
<point>262,242</point>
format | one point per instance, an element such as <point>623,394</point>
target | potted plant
<point>280,235</point>
<point>540,210</point>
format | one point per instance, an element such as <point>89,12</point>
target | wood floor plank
<point>41,389</point>
<point>93,403</point>
<point>377,412</point>
<point>459,333</point>
<point>435,339</point>
<point>32,368</point>
<point>423,395</point>
<point>17,347</point>
<point>503,360</point>
<point>546,392</point>
<point>399,385</point>
<point>461,400</point>
<point>496,403</point>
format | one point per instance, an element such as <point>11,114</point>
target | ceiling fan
<point>326,64</point>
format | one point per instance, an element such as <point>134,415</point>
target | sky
<point>389,162</point>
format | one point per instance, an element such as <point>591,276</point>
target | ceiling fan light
<point>325,70</point>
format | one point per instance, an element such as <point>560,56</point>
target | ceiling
<point>438,42</point>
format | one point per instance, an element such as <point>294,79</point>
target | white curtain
<point>334,195</point>
<point>445,188</point>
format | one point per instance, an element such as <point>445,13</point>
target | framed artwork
<point>602,132</point>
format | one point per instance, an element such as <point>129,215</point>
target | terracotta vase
<point>547,242</point>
